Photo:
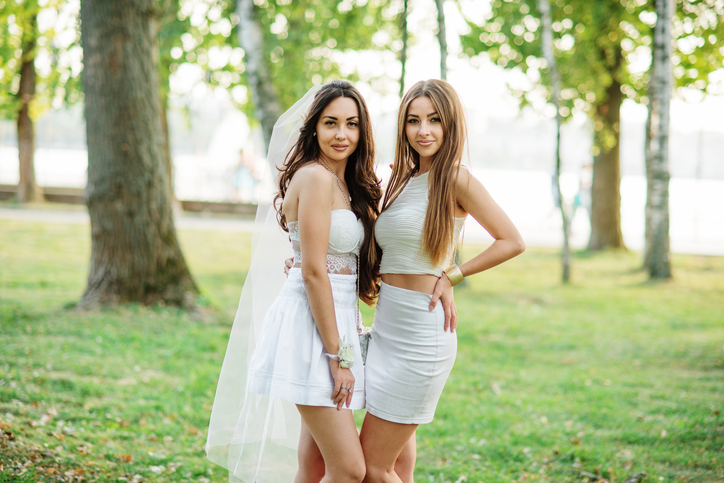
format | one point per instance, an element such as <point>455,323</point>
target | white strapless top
<point>399,228</point>
<point>346,234</point>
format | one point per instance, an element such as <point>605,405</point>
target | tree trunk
<point>28,189</point>
<point>657,251</point>
<point>135,255</point>
<point>441,36</point>
<point>162,15</point>
<point>167,160</point>
<point>267,107</point>
<point>547,46</point>
<point>605,189</point>
<point>403,51</point>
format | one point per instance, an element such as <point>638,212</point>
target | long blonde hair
<point>439,228</point>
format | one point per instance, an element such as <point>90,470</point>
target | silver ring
<point>346,389</point>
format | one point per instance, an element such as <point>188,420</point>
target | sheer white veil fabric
<point>255,436</point>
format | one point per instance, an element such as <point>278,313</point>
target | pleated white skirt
<point>410,357</point>
<point>289,361</point>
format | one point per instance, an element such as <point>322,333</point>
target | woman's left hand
<point>444,292</point>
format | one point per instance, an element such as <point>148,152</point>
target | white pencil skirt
<point>410,357</point>
<point>289,361</point>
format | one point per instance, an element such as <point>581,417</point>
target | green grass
<point>611,375</point>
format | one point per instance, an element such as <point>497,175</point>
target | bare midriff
<point>418,283</point>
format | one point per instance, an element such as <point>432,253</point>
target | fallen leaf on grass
<point>126,458</point>
<point>637,478</point>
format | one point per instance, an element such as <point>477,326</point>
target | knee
<point>311,463</point>
<point>357,471</point>
<point>350,472</point>
<point>375,474</point>
<point>312,467</point>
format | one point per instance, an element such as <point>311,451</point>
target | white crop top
<point>346,234</point>
<point>399,233</point>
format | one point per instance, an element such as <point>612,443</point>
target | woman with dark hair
<point>307,351</point>
<point>429,196</point>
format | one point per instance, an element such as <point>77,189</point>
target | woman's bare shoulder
<point>312,176</point>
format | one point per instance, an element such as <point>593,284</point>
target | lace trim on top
<point>345,238</point>
<point>342,264</point>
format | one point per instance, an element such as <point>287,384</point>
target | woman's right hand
<point>343,384</point>
<point>288,264</point>
<point>444,292</point>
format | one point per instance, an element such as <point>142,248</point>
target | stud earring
<point>314,134</point>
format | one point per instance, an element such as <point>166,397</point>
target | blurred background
<point>216,141</point>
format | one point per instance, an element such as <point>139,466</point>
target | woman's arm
<point>474,199</point>
<point>472,196</point>
<point>316,193</point>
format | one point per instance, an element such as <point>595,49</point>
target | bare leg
<point>311,463</point>
<point>382,442</point>
<point>335,434</point>
<point>405,464</point>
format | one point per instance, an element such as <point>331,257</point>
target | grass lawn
<point>610,376</point>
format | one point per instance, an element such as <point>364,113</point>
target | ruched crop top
<point>346,234</point>
<point>399,233</point>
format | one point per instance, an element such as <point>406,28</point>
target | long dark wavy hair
<point>438,230</point>
<point>362,182</point>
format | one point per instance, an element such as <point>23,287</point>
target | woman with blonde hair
<point>429,196</point>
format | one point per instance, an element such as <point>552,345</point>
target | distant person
<point>246,178</point>
<point>583,196</point>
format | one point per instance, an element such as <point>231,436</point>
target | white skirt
<point>410,357</point>
<point>289,361</point>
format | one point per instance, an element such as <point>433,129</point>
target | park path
<point>538,223</point>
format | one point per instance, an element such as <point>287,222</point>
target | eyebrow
<point>429,115</point>
<point>332,117</point>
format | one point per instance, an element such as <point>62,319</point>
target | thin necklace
<point>339,183</point>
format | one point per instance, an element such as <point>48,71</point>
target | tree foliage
<point>303,41</point>
<point>603,51</point>
<point>595,43</point>
<point>55,36</point>
<point>305,38</point>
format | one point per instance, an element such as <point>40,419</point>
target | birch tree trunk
<point>547,44</point>
<point>135,255</point>
<point>657,250</point>
<point>403,51</point>
<point>28,189</point>
<point>606,186</point>
<point>441,36</point>
<point>267,106</point>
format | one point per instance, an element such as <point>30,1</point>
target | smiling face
<point>338,130</point>
<point>423,128</point>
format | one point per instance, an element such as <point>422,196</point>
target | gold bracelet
<point>454,274</point>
